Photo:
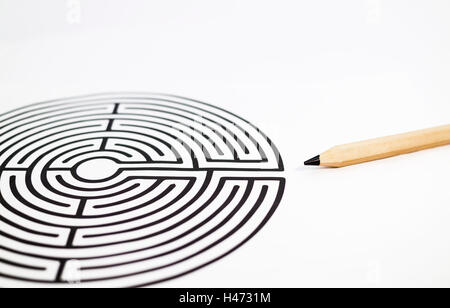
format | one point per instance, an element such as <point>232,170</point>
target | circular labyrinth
<point>128,190</point>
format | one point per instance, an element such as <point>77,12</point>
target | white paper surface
<point>310,75</point>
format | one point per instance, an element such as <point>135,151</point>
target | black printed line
<point>70,241</point>
<point>73,230</point>
<point>15,264</point>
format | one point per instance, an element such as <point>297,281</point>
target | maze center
<point>97,169</point>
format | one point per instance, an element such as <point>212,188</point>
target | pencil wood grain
<point>380,148</point>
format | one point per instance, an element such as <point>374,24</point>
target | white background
<point>310,74</point>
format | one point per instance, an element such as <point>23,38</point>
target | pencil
<point>380,148</point>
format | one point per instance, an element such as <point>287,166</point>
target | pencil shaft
<point>374,149</point>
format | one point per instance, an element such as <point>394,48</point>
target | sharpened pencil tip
<point>313,161</point>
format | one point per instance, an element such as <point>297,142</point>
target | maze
<point>128,190</point>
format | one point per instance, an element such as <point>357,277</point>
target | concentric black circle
<point>123,190</point>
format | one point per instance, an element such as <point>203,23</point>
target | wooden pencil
<point>380,148</point>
